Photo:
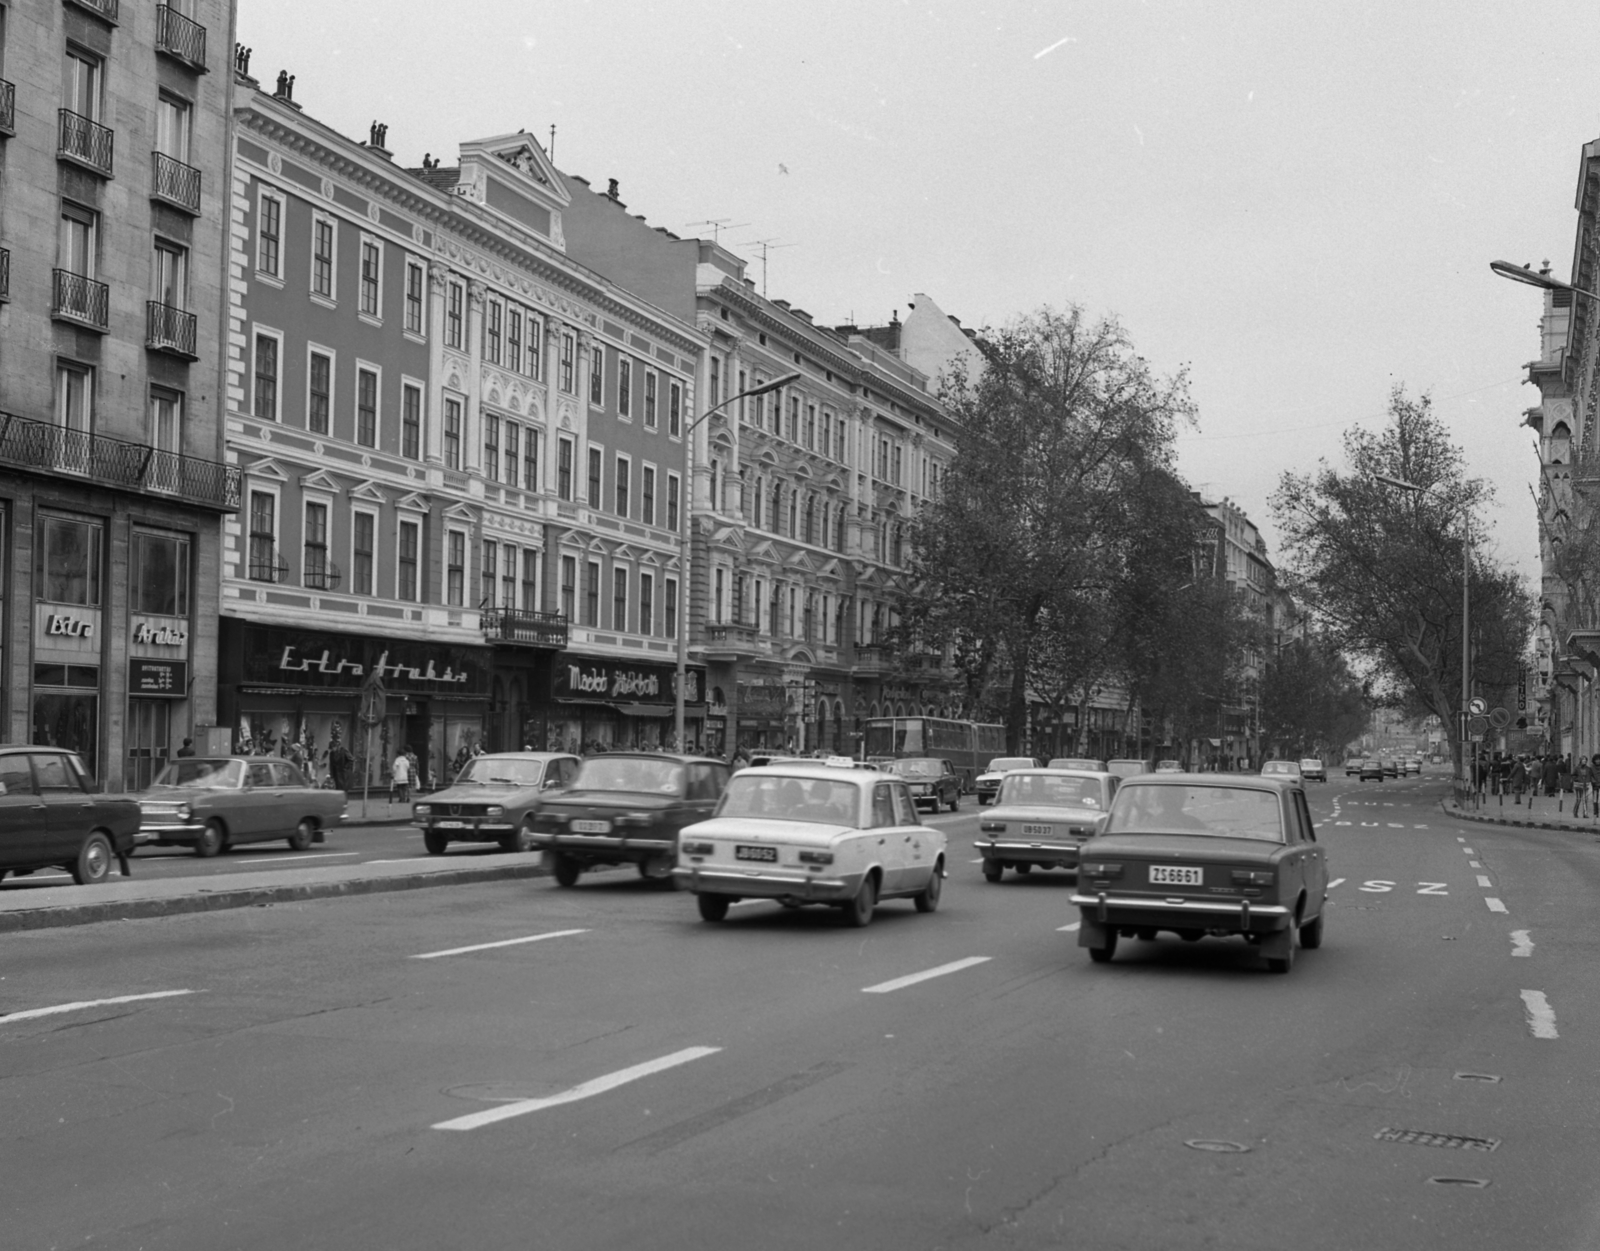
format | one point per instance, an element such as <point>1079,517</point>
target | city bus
<point>968,745</point>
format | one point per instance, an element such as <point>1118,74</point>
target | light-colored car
<point>493,800</point>
<point>212,803</point>
<point>1079,764</point>
<point>987,784</point>
<point>807,834</point>
<point>1128,768</point>
<point>1169,766</point>
<point>1282,769</point>
<point>1042,818</point>
<point>1313,770</point>
<point>1200,854</point>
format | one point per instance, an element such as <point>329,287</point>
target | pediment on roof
<point>369,491</point>
<point>320,480</point>
<point>764,550</point>
<point>801,560</point>
<point>268,468</point>
<point>830,569</point>
<point>803,470</point>
<point>460,512</point>
<point>625,551</point>
<point>522,163</point>
<point>728,538</point>
<point>413,501</point>
<point>766,456</point>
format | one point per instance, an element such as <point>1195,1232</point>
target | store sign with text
<point>159,679</point>
<point>65,632</point>
<point>343,662</point>
<point>164,637</point>
<point>623,682</point>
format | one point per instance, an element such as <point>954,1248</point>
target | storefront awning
<point>1215,742</point>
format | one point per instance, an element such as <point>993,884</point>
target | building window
<point>622,486</point>
<point>269,236</point>
<point>535,334</point>
<point>569,356</point>
<point>411,421</point>
<point>508,577</point>
<point>650,398</point>
<point>591,593</point>
<point>619,599</point>
<point>166,434</point>
<point>455,569</point>
<point>322,266</point>
<point>898,458</point>
<point>719,606</point>
<point>263,536</point>
<point>647,606</point>
<point>716,381</point>
<point>314,567</point>
<point>564,468</point>
<point>172,126</point>
<point>594,477</point>
<point>530,579</point>
<point>371,268</point>
<point>414,287</point>
<point>159,575</point>
<point>367,407</point>
<point>491,447</point>
<point>71,560</point>
<point>78,247</point>
<point>669,608</point>
<point>319,392</point>
<point>624,387</point>
<point>743,387</point>
<point>513,452</point>
<point>265,402</point>
<point>810,435</point>
<point>794,419</point>
<point>674,409</point>
<point>493,323</point>
<point>775,508</point>
<point>74,399</point>
<point>827,435</point>
<point>364,527</point>
<point>647,495</point>
<point>569,587</point>
<point>530,460</point>
<point>488,572</point>
<point>811,519</point>
<point>171,275</point>
<point>794,515</point>
<point>597,377</point>
<point>672,502</point>
<point>452,433</point>
<point>455,299</point>
<point>514,339</point>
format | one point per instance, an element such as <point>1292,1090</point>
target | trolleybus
<point>968,745</point>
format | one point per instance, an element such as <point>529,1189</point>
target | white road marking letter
<point>1494,904</point>
<point>1341,823</point>
<point>1483,881</point>
<point>29,1014</point>
<point>911,979</point>
<point>1336,881</point>
<point>1067,929</point>
<point>1433,888</point>
<point>1521,944</point>
<point>597,1087</point>
<point>1541,1016</point>
<point>504,942</point>
<point>1378,886</point>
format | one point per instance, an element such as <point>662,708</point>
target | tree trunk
<point>1017,710</point>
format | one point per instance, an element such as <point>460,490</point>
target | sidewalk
<point>380,811</point>
<point>1532,814</point>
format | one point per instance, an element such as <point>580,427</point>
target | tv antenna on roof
<point>767,245</point>
<point>718,225</point>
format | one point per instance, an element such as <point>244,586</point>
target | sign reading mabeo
<point>345,662</point>
<point>624,681</point>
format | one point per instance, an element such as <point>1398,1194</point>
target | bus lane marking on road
<point>1541,1016</point>
<point>1433,888</point>
<point>1494,904</point>
<point>599,1086</point>
<point>504,942</point>
<point>1521,944</point>
<point>321,855</point>
<point>911,979</point>
<point>1483,881</point>
<point>1377,886</point>
<point>1336,881</point>
<point>29,1014</point>
<point>1067,929</point>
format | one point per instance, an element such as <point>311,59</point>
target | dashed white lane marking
<point>504,942</point>
<point>1484,882</point>
<point>1459,839</point>
<point>321,855</point>
<point>1541,1016</point>
<point>911,979</point>
<point>1336,881</point>
<point>1521,944</point>
<point>1494,904</point>
<point>1469,851</point>
<point>1395,825</point>
<point>1475,864</point>
<point>29,1014</point>
<point>1067,929</point>
<point>979,860</point>
<point>587,1090</point>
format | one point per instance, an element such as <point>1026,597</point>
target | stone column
<point>472,433</point>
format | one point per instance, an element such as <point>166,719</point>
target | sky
<point>1297,202</point>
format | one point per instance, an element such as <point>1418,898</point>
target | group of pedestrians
<point>1552,776</point>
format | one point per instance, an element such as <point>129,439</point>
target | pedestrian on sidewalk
<point>1582,782</point>
<point>188,747</point>
<point>400,778</point>
<point>1519,778</point>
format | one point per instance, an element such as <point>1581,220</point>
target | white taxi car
<point>1041,818</point>
<point>987,783</point>
<point>812,834</point>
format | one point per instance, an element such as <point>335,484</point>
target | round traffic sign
<point>1478,705</point>
<point>1500,718</point>
<point>1478,727</point>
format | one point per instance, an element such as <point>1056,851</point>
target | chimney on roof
<point>611,194</point>
<point>894,316</point>
<point>377,140</point>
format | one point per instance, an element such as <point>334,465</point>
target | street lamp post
<point>685,529</point>
<point>1533,278</point>
<point>1466,613</point>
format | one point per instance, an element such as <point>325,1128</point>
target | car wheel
<point>993,871</point>
<point>955,801</point>
<point>565,871</point>
<point>713,907</point>
<point>858,912</point>
<point>94,861</point>
<point>520,839</point>
<point>302,836</point>
<point>1311,933</point>
<point>927,899</point>
<point>1103,953</point>
<point>434,842</point>
<point>212,840</point>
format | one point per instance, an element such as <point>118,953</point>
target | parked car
<point>52,817</point>
<point>1128,768</point>
<point>801,834</point>
<point>1313,770</point>
<point>932,781</point>
<point>1234,855</point>
<point>212,803</point>
<point>1042,818</point>
<point>1281,768</point>
<point>493,800</point>
<point>1078,764</point>
<point>987,784</point>
<point>1169,766</point>
<point>628,808</point>
<point>1352,767</point>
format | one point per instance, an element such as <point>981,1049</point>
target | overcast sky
<point>1298,201</point>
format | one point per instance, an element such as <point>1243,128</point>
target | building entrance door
<point>149,741</point>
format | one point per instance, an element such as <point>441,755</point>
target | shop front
<point>763,709</point>
<point>602,703</point>
<point>297,693</point>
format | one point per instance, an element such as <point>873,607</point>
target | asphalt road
<point>340,1074</point>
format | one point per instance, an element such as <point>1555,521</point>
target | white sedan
<point>811,834</point>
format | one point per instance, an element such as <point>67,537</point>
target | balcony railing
<point>321,574</point>
<point>45,447</point>
<point>169,329</point>
<point>174,182</point>
<point>265,563</point>
<point>86,142</point>
<point>181,37</point>
<point>8,108</point>
<point>874,656</point>
<point>728,636</point>
<point>81,299</point>
<point>524,626</point>
<point>105,8</point>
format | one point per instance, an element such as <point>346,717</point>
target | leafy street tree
<point>1311,703</point>
<point>1055,440</point>
<point>1379,568</point>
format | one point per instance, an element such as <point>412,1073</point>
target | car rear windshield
<point>214,775</point>
<point>918,768</point>
<point>1217,811</point>
<point>791,799</point>
<point>1278,766</point>
<point>1010,762</point>
<point>630,773</point>
<point>492,771</point>
<point>1050,792</point>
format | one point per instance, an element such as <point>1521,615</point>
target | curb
<point>1518,822</point>
<point>247,897</point>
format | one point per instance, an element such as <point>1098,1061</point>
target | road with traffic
<point>513,1064</point>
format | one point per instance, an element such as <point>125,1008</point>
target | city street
<point>511,1064</point>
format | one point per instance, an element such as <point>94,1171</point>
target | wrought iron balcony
<point>180,37</point>
<point>874,657</point>
<point>265,563</point>
<point>81,299</point>
<point>46,448</point>
<point>8,108</point>
<point>524,627</point>
<point>169,329</point>
<point>321,574</point>
<point>732,640</point>
<point>175,183</point>
<point>86,142</point>
<point>103,8</point>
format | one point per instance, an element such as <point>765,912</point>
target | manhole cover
<point>1422,1138</point>
<point>1476,1077</point>
<point>1470,1183</point>
<point>1216,1144</point>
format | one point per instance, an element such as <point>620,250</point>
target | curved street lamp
<point>685,528</point>
<point>1533,278</point>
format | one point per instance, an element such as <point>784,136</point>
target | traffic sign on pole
<point>1478,706</point>
<point>1500,718</point>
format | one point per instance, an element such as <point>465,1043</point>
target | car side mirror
<point>2,788</point>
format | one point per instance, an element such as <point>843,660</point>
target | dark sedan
<point>52,817</point>
<point>217,802</point>
<point>932,781</point>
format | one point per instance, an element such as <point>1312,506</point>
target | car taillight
<point>1253,877</point>
<point>633,819</point>
<point>698,849</point>
<point>992,827</point>
<point>1102,868</point>
<point>816,857</point>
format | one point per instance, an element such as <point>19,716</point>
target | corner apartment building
<point>460,451</point>
<point>114,120</point>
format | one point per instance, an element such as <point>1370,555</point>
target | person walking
<point>1519,778</point>
<point>1582,780</point>
<point>416,769</point>
<point>400,778</point>
<point>1549,775</point>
